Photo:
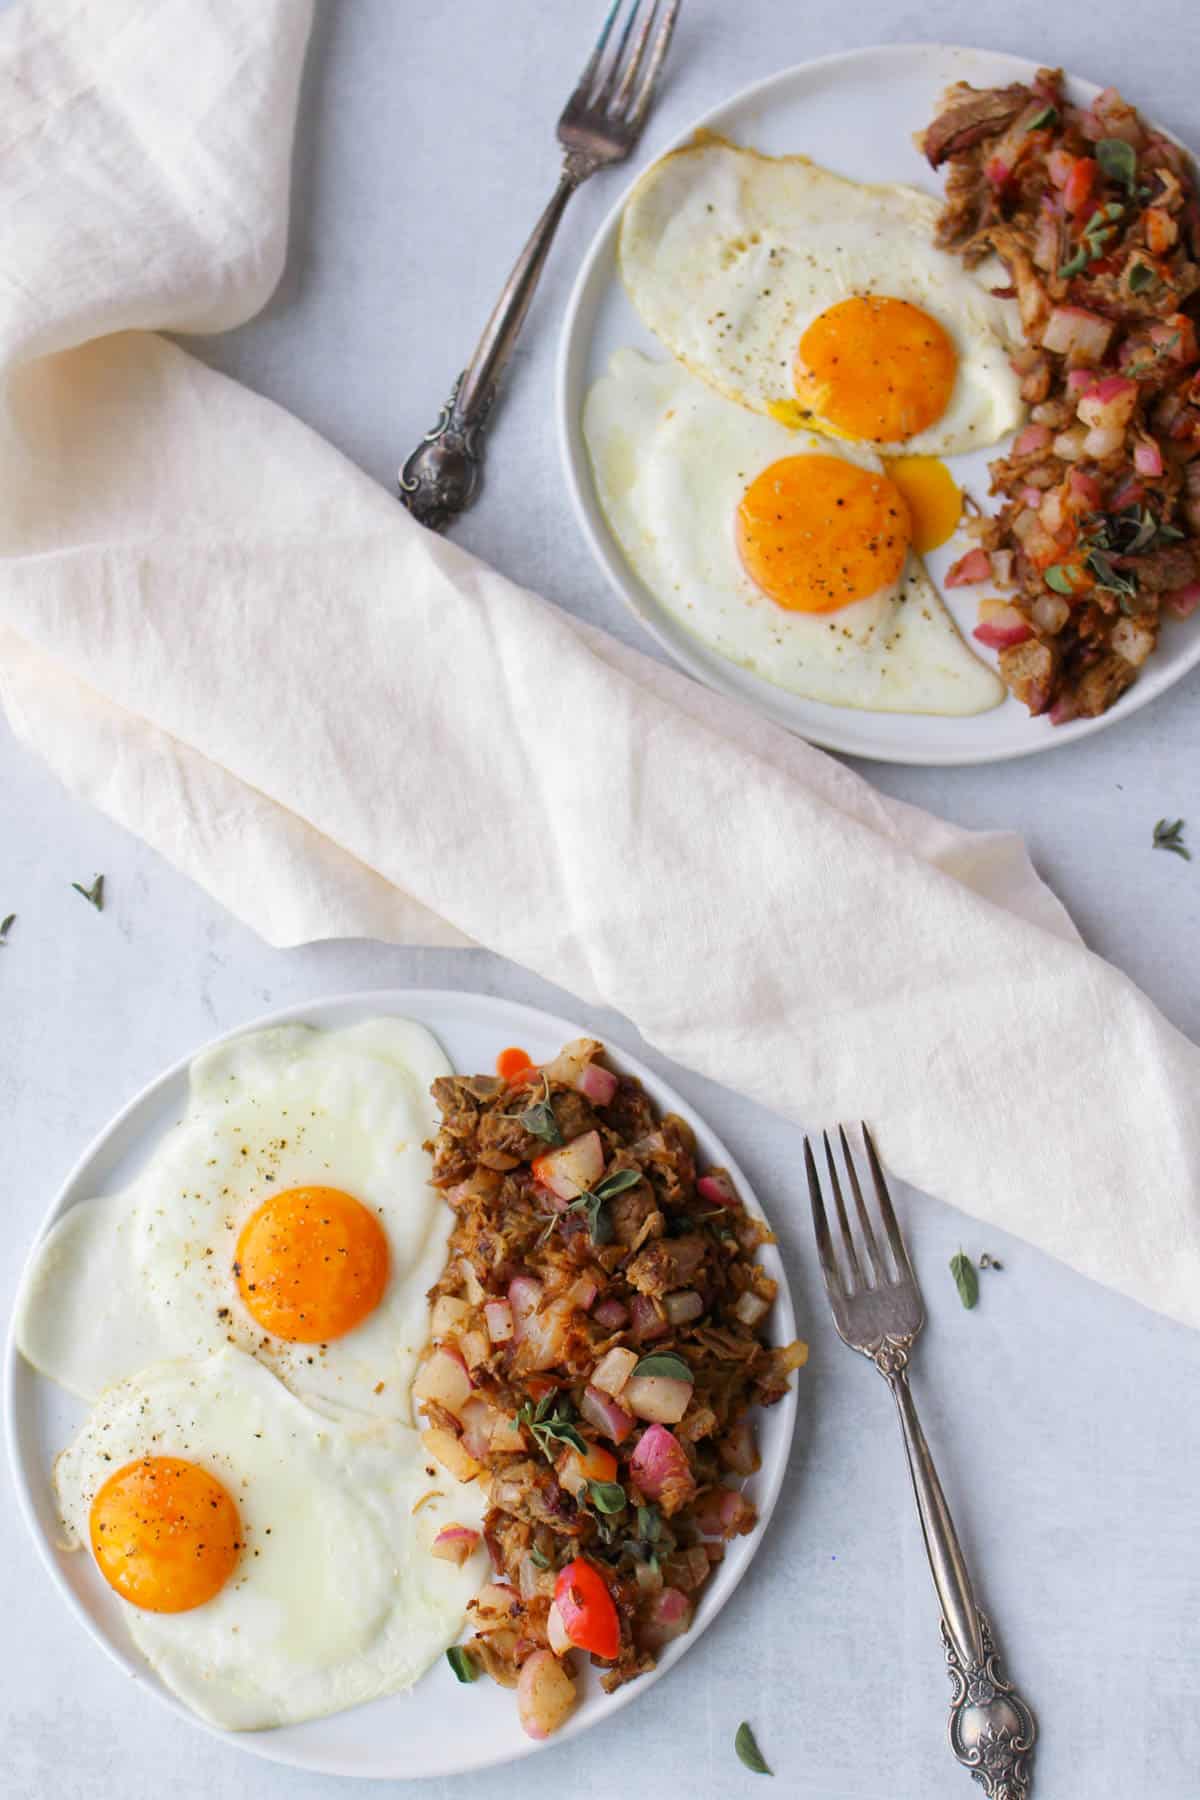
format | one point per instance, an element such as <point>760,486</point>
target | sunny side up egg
<point>820,300</point>
<point>784,552</point>
<point>272,1564</point>
<point>288,1213</point>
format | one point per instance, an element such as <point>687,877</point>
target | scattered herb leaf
<point>6,926</point>
<point>1040,120</point>
<point>538,1558</point>
<point>665,1362</point>
<point>1058,577</point>
<point>649,1523</point>
<point>538,1118</point>
<point>1168,835</point>
<point>965,1278</point>
<point>607,1496</point>
<point>616,1183</point>
<point>1075,264</point>
<point>549,1424</point>
<point>1119,161</point>
<point>748,1750</point>
<point>1141,277</point>
<point>593,1202</point>
<point>988,1261</point>
<point>1116,581</point>
<point>462,1663</point>
<point>93,895</point>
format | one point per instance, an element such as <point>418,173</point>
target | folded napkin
<point>228,638</point>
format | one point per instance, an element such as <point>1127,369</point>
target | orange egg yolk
<point>815,533</point>
<point>311,1264</point>
<point>934,498</point>
<point>875,369</point>
<point>165,1534</point>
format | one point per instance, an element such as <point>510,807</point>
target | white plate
<point>856,113</point>
<point>439,1728</point>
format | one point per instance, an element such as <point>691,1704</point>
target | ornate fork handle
<point>992,1730</point>
<point>442,476</point>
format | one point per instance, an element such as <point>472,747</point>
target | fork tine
<point>848,1240</point>
<point>662,41</point>
<point>895,1237</point>
<point>603,97</point>
<point>647,8</point>
<point>583,87</point>
<point>882,1272</point>
<point>829,1268</point>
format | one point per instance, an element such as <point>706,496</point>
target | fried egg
<point>287,1213</point>
<point>784,552</point>
<point>272,1563</point>
<point>820,300</point>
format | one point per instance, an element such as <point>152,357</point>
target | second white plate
<point>855,113</point>
<point>438,1728</point>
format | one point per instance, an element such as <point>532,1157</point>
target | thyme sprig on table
<point>1168,835</point>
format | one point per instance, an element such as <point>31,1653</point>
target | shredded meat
<point>1095,214</point>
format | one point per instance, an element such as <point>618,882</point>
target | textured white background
<point>1064,1419</point>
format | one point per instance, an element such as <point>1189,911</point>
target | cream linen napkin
<point>234,643</point>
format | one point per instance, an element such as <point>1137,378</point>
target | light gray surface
<point>1064,1418</point>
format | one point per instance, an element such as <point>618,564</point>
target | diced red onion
<point>1031,440</point>
<point>1080,381</point>
<point>1183,601</point>
<point>1147,458</point>
<point>455,1543</point>
<point>596,1084</point>
<point>602,1411</point>
<point>611,1314</point>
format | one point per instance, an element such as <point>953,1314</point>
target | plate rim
<point>576,469</point>
<point>270,1745</point>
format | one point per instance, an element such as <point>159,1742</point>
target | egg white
<point>729,255</point>
<point>146,1275</point>
<point>671,460</point>
<point>335,1598</point>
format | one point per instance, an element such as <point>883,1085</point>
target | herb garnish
<point>1075,264</point>
<point>538,1118</point>
<point>538,1558</point>
<point>1114,580</point>
<point>1119,161</point>
<point>1058,577</point>
<point>664,1362</point>
<point>550,1424</point>
<point>93,895</point>
<point>462,1663</point>
<point>6,925</point>
<point>1141,277</point>
<point>748,1750</point>
<point>593,1202</point>
<point>607,1496</point>
<point>1168,835</point>
<point>965,1278</point>
<point>1040,120</point>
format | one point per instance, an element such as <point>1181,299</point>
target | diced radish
<point>717,1189</point>
<point>556,1632</point>
<point>1183,601</point>
<point>524,1298</point>
<point>1001,626</point>
<point>661,1468</point>
<point>596,1084</point>
<point>1050,512</point>
<point>450,1316</point>
<point>659,1398</point>
<point>972,567</point>
<point>611,1314</point>
<point>602,1411</point>
<point>1031,440</point>
<point>455,1543</point>
<point>1103,440</point>
<point>544,1335</point>
<point>613,1370</point>
<point>1050,613</point>
<point>498,1316</point>
<point>751,1309</point>
<point>546,1694</point>
<point>1069,445</point>
<point>1081,381</point>
<point>1110,403</point>
<point>578,1165</point>
<point>647,1323</point>
<point>1073,330</point>
<point>445,1448</point>
<point>668,1617</point>
<point>682,1308</point>
<point>1147,458</point>
<point>444,1378</point>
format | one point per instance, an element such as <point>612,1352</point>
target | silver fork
<point>600,124</point>
<point>878,1310</point>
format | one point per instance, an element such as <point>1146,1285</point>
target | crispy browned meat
<point>534,1298</point>
<point>1095,214</point>
<point>969,116</point>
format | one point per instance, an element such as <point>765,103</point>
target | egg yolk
<point>934,498</point>
<point>876,369</point>
<point>815,533</point>
<point>165,1534</point>
<point>311,1264</point>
